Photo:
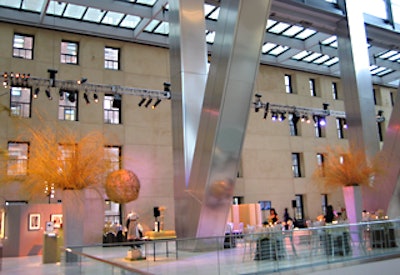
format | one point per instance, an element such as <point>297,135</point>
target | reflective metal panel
<point>188,65</point>
<point>357,85</point>
<point>229,90</point>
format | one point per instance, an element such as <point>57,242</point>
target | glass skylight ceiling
<point>285,43</point>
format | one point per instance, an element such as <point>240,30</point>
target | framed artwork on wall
<point>56,219</point>
<point>34,221</point>
<point>2,223</point>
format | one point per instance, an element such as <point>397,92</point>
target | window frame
<point>107,110</point>
<point>312,87</point>
<point>24,52</point>
<point>67,55</point>
<point>65,106</point>
<point>112,64</point>
<point>296,165</point>
<point>27,104</point>
<point>20,163</point>
<point>288,84</point>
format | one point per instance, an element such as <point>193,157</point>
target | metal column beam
<point>203,200</point>
<point>388,183</point>
<point>357,85</point>
<point>188,70</point>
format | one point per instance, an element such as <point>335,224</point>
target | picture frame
<point>57,220</point>
<point>34,221</point>
<point>2,223</point>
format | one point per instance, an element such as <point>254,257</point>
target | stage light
<point>48,94</point>
<point>141,101</point>
<point>81,81</point>
<point>266,110</point>
<point>282,117</point>
<point>148,102</point>
<point>96,98</point>
<point>36,93</point>
<point>71,96</point>
<point>156,103</point>
<point>86,97</point>
<point>257,103</point>
<point>61,93</point>
<point>322,121</point>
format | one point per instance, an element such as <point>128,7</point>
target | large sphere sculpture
<point>122,186</point>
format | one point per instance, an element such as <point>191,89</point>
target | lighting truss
<point>294,110</point>
<point>26,80</point>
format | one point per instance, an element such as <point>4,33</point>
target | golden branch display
<point>345,167</point>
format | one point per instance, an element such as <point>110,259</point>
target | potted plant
<point>348,169</point>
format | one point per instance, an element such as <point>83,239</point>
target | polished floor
<point>228,261</point>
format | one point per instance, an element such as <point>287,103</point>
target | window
<point>296,165</point>
<point>377,97</point>
<point>69,52</point>
<point>334,91</point>
<point>311,82</point>
<point>380,130</point>
<point>111,58</point>
<point>18,158</point>
<point>391,99</point>
<point>68,105</point>
<point>288,84</point>
<point>293,126</point>
<point>20,102</point>
<point>112,109</point>
<point>341,125</point>
<point>299,211</point>
<point>319,126</point>
<point>324,203</point>
<point>113,155</point>
<point>66,154</point>
<point>320,163</point>
<point>23,46</point>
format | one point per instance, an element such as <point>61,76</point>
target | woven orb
<point>122,186</point>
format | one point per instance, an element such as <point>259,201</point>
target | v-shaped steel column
<point>201,209</point>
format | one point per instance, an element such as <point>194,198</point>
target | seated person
<point>273,216</point>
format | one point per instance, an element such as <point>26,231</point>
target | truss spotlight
<point>148,102</point>
<point>167,90</point>
<point>282,117</point>
<point>86,97</point>
<point>274,116</point>
<point>266,110</point>
<point>257,103</point>
<point>156,103</point>
<point>71,96</point>
<point>141,101</point>
<point>61,93</point>
<point>81,81</point>
<point>344,124</point>
<point>325,106</point>
<point>96,98</point>
<point>36,93</point>
<point>380,117</point>
<point>116,101</point>
<point>48,94</point>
